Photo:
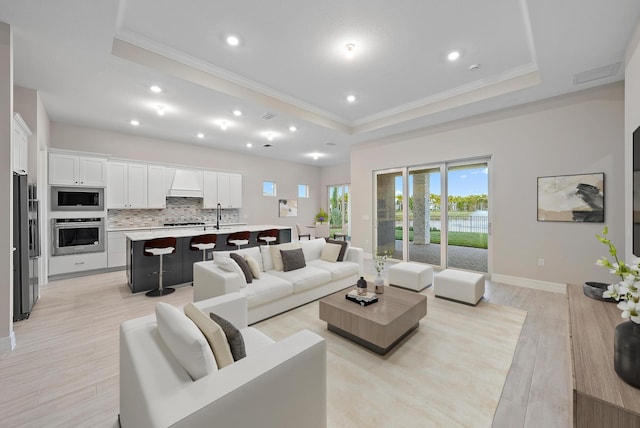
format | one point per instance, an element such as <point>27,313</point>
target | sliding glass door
<point>436,214</point>
<point>339,210</point>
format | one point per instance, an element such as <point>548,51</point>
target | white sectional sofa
<point>277,384</point>
<point>277,291</point>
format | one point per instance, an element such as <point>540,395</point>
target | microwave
<point>77,198</point>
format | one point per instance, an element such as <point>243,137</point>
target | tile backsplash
<point>178,210</point>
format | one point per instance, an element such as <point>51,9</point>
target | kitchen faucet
<point>218,216</point>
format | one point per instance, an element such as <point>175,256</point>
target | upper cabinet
<point>222,188</point>
<point>230,190</point>
<point>73,170</point>
<point>156,187</point>
<point>126,185</point>
<point>20,145</point>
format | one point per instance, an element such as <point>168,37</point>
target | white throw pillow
<point>185,341</point>
<point>251,251</point>
<point>253,265</point>
<point>230,265</point>
<point>330,252</point>
<point>213,333</point>
<point>276,257</point>
<point>312,248</point>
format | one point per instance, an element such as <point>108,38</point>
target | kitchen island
<point>178,267</point>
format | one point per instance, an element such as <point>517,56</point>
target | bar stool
<point>203,243</point>
<point>269,236</point>
<point>160,247</point>
<point>238,239</point>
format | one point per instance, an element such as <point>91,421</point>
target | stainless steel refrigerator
<point>26,242</point>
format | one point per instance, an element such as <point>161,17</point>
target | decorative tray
<point>364,300</point>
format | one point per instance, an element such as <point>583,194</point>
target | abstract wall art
<point>571,198</point>
<point>288,208</point>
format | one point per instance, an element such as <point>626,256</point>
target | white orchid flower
<point>612,292</point>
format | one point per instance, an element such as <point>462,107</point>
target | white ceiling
<point>93,63</point>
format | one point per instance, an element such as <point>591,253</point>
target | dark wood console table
<point>600,398</point>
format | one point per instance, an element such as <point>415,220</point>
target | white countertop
<point>192,227</point>
<point>181,232</point>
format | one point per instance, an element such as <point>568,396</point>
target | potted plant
<point>321,217</point>
<point>626,341</point>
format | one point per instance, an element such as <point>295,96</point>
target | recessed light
<point>223,125</point>
<point>134,122</point>
<point>155,88</point>
<point>293,128</point>
<point>161,110</point>
<point>266,145</point>
<point>349,47</point>
<point>233,40</point>
<point>249,145</point>
<point>315,155</point>
<point>351,98</point>
<point>237,113</point>
<point>269,136</point>
<point>474,67</point>
<point>453,55</point>
<point>200,135</point>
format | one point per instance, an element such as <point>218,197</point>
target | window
<point>269,188</point>
<point>303,190</point>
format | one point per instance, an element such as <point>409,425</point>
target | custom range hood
<point>186,184</point>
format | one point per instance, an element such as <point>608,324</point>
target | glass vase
<point>626,356</point>
<point>379,283</point>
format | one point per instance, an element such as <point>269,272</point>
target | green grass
<point>460,239</point>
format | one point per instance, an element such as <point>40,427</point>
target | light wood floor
<point>64,370</point>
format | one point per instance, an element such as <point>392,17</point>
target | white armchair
<point>278,384</point>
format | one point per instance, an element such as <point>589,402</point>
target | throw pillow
<point>185,341</point>
<point>330,252</point>
<point>234,337</point>
<point>344,245</point>
<point>213,333</point>
<point>292,259</point>
<point>253,265</point>
<point>244,266</point>
<point>276,257</point>
<point>230,265</point>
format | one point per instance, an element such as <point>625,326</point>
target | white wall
<point>631,122</point>
<point>256,209</point>
<point>7,340</point>
<point>573,134</point>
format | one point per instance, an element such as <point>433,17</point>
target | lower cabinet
<point>77,263</point>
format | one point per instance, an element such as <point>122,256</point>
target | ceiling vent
<point>597,73</point>
<point>266,115</point>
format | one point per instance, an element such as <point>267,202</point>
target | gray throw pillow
<point>243,265</point>
<point>292,259</point>
<point>234,337</point>
<point>343,250</point>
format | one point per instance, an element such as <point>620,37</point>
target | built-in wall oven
<point>77,198</point>
<point>77,235</point>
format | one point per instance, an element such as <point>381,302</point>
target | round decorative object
<point>379,283</point>
<point>626,355</point>
<point>361,286</point>
<point>595,290</point>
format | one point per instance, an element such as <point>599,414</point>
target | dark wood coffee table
<point>379,326</point>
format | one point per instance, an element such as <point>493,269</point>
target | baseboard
<point>553,287</point>
<point>8,343</point>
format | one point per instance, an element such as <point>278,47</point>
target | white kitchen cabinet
<point>210,189</point>
<point>126,185</point>
<point>20,145</point>
<point>77,263</point>
<point>230,190</point>
<point>156,190</point>
<point>73,170</point>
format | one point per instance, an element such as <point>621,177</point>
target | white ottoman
<point>465,287</point>
<point>412,276</point>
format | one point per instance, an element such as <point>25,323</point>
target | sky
<point>462,182</point>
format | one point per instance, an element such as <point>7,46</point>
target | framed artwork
<point>288,208</point>
<point>571,198</point>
